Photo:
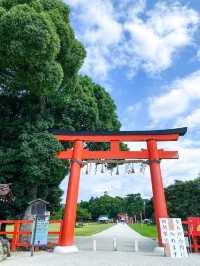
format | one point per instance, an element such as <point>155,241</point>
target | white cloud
<point>187,166</point>
<point>134,107</point>
<point>100,31</point>
<point>156,39</point>
<point>73,2</point>
<point>198,54</point>
<point>180,94</point>
<point>127,34</point>
<point>130,8</point>
<point>129,116</point>
<point>192,120</point>
<point>101,68</point>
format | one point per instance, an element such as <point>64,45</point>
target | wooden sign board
<point>173,237</point>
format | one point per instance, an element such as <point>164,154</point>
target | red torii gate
<point>78,153</point>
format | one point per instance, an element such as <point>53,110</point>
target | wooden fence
<point>15,240</point>
<point>192,230</point>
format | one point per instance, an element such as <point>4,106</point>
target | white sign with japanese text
<point>173,237</point>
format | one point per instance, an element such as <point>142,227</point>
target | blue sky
<point>147,55</point>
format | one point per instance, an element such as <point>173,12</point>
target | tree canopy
<point>132,204</point>
<point>38,52</point>
<point>41,88</point>
<point>82,214</point>
<point>183,198</point>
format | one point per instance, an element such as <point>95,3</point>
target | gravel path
<point>124,236</point>
<point>104,256</point>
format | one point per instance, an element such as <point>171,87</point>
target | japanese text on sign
<point>173,237</point>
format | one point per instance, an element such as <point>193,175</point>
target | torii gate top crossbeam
<point>115,138</point>
<point>127,136</point>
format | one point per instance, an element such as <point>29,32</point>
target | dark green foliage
<point>149,209</point>
<point>38,49</point>
<point>107,106</point>
<point>88,111</point>
<point>82,214</point>
<point>183,198</point>
<point>132,204</point>
<point>32,168</point>
<point>39,89</point>
<point>135,204</point>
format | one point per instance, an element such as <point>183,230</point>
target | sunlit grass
<point>87,229</point>
<point>147,230</point>
<point>91,229</point>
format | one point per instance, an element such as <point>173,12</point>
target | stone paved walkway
<point>124,236</point>
<point>104,256</point>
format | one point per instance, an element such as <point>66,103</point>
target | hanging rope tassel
<point>132,169</point>
<point>111,171</point>
<point>142,168</point>
<point>96,169</point>
<point>102,168</point>
<point>87,170</point>
<point>117,172</point>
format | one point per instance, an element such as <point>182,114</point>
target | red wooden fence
<point>15,241</point>
<point>193,231</point>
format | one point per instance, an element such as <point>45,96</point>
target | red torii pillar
<point>157,186</point>
<point>67,237</point>
<point>78,153</point>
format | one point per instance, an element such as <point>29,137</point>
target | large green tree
<point>132,204</point>
<point>40,88</point>
<point>82,214</point>
<point>104,205</point>
<point>38,51</point>
<point>183,198</point>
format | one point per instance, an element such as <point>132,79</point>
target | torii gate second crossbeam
<point>78,154</point>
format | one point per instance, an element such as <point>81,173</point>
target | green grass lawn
<point>87,229</point>
<point>91,229</point>
<point>147,230</point>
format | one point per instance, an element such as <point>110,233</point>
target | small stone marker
<point>136,247</point>
<point>114,244</point>
<point>94,245</point>
<point>4,249</point>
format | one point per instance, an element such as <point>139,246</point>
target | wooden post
<point>66,243</point>
<point>160,205</point>
<point>15,236</point>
